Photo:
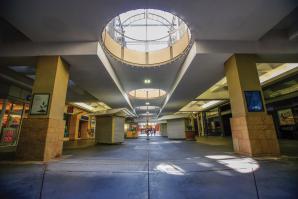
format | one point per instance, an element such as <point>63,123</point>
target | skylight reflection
<point>241,165</point>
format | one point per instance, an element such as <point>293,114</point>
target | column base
<point>254,136</point>
<point>41,139</point>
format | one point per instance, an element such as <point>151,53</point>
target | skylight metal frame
<point>116,29</point>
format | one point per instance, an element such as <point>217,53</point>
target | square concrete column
<point>253,132</point>
<point>163,129</point>
<point>41,136</point>
<point>109,129</point>
<point>176,128</point>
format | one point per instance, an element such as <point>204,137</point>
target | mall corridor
<point>158,168</point>
<point>214,84</point>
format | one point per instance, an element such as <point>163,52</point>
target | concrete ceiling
<point>89,73</point>
<point>78,20</point>
<point>161,77</point>
<point>203,73</point>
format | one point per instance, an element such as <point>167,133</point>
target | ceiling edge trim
<point>190,57</point>
<point>103,58</point>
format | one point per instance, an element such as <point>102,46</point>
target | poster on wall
<point>285,117</point>
<point>254,101</point>
<point>39,104</point>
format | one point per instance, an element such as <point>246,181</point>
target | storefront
<point>78,124</point>
<point>213,120</point>
<point>285,116</point>
<point>12,113</point>
<point>14,106</point>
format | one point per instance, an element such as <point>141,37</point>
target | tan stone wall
<point>41,136</point>
<point>84,130</point>
<point>40,139</point>
<point>254,135</point>
<point>73,127</point>
<point>52,77</point>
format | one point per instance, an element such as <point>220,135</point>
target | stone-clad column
<point>74,126</point>
<point>253,132</point>
<point>41,136</point>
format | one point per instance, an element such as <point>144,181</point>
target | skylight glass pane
<point>146,29</point>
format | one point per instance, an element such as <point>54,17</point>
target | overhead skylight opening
<point>147,107</point>
<point>146,114</point>
<point>147,93</point>
<point>145,31</point>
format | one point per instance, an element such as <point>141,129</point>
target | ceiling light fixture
<point>147,103</point>
<point>147,93</point>
<point>147,107</point>
<point>210,103</point>
<point>84,105</point>
<point>147,81</point>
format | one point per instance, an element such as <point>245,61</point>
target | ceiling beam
<point>31,49</point>
<point>271,46</point>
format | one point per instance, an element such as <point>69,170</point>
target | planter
<point>189,135</point>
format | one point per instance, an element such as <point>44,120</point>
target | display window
<point>11,115</point>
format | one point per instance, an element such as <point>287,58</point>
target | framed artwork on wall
<point>254,101</point>
<point>40,104</point>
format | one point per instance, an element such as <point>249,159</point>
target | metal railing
<point>116,29</point>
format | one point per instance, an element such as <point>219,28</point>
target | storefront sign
<point>285,117</point>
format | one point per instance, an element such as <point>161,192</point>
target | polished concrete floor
<point>158,168</point>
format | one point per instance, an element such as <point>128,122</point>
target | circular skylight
<point>147,107</point>
<point>146,114</point>
<point>147,93</point>
<point>143,31</point>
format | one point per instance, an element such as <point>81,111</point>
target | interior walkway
<point>159,168</point>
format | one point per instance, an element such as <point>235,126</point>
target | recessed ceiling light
<point>147,103</point>
<point>147,81</point>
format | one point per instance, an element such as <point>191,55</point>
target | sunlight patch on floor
<point>166,142</point>
<point>205,164</point>
<point>241,165</point>
<point>170,169</point>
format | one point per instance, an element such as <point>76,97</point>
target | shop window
<point>11,115</point>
